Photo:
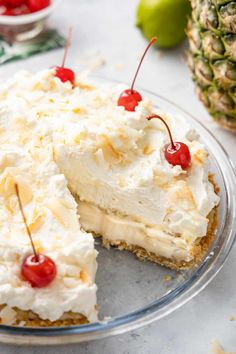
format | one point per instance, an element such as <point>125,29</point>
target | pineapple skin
<point>212,57</point>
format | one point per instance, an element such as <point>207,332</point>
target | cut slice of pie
<point>51,214</point>
<point>53,135</point>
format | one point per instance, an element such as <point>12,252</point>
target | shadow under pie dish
<point>64,127</point>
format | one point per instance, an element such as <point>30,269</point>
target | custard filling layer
<point>115,228</point>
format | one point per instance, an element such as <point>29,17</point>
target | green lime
<point>166,19</point>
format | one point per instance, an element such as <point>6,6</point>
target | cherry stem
<point>167,127</point>
<point>25,222</point>
<point>66,47</point>
<point>141,60</point>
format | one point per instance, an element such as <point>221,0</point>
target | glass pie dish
<point>131,293</point>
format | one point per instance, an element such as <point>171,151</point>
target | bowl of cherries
<point>21,20</point>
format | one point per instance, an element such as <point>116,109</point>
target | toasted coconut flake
<point>8,316</point>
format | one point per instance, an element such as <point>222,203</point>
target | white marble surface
<point>105,28</point>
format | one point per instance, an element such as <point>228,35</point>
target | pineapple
<point>212,57</point>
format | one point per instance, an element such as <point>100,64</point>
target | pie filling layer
<point>54,137</point>
<point>116,228</point>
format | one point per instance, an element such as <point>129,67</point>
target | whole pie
<point>86,167</point>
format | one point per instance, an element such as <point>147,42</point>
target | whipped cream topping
<point>112,159</point>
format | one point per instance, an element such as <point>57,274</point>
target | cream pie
<point>72,148</point>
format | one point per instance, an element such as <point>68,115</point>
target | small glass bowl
<point>25,27</point>
<point>131,293</point>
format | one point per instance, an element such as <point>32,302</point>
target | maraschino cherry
<point>21,10</point>
<point>176,153</point>
<point>37,5</point>
<point>65,74</point>
<point>37,268</point>
<point>12,3</point>
<point>14,7</point>
<point>130,98</point>
<point>22,7</point>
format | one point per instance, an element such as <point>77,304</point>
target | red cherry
<point>180,155</point>
<point>176,153</point>
<point>5,11</point>
<point>23,10</point>
<point>65,74</point>
<point>39,271</point>
<point>130,98</point>
<point>9,11</point>
<point>37,5</point>
<point>14,3</point>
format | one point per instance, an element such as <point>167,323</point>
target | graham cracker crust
<point>30,319</point>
